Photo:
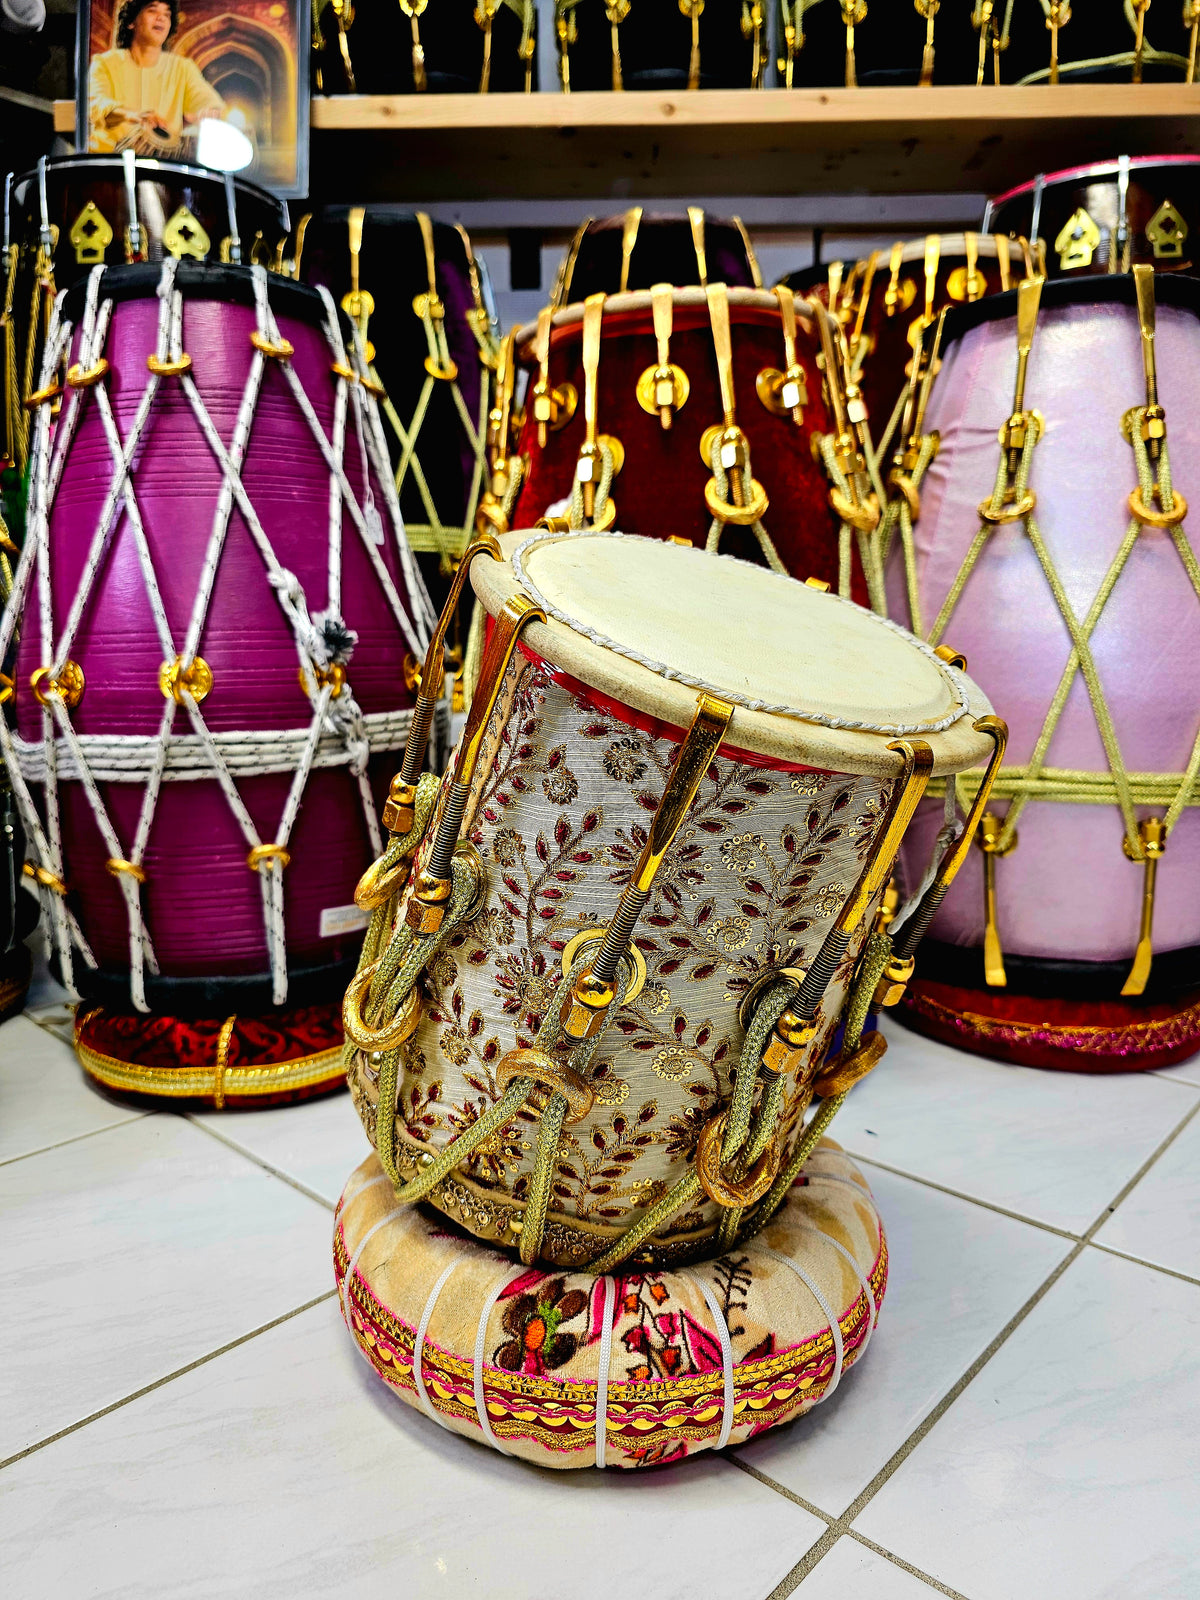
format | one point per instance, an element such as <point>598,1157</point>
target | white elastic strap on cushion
<point>348,1199</point>
<point>835,1326</point>
<point>419,1346</point>
<point>477,1374</point>
<point>603,1373</point>
<point>721,1328</point>
<point>352,1264</point>
<point>863,1281</point>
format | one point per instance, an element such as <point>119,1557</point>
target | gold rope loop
<point>389,1034</point>
<point>117,865</point>
<point>1016,511</point>
<point>169,369</point>
<point>174,678</point>
<point>40,397</point>
<point>558,1078</point>
<point>741,516</point>
<point>852,1069</point>
<point>717,1186</point>
<point>1157,519</point>
<point>267,852</point>
<point>864,517</point>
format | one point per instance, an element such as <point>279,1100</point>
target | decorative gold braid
<point>224,1039</point>
<point>199,1083</point>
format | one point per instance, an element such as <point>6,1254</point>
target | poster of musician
<point>220,82</point>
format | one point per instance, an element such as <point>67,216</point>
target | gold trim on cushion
<point>1160,1033</point>
<point>205,1083</point>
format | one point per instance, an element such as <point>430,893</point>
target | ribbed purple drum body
<point>202,903</point>
<point>1067,893</point>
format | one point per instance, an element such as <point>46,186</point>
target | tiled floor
<point>182,1414</point>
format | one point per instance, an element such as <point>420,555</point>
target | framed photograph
<point>220,82</point>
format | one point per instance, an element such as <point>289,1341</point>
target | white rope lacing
<point>338,733</point>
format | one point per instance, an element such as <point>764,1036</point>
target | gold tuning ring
<point>1157,519</point>
<point>69,685</point>
<point>864,516</point>
<point>43,875</point>
<point>435,369</point>
<point>169,369</point>
<point>197,679</point>
<point>83,378</point>
<point>741,516</point>
<point>268,853</point>
<point>852,1069</point>
<point>387,1036</point>
<point>772,975</point>
<point>379,883</point>
<point>952,658</point>
<point>733,1194</point>
<point>1016,512</point>
<point>557,1077</point>
<point>117,865</point>
<point>278,350</point>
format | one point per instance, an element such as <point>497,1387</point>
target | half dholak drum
<point>214,600</point>
<point>640,941</point>
<point>712,402</point>
<point>1059,563</point>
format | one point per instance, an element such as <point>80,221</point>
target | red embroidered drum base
<point>271,1059</point>
<point>1069,1035</point>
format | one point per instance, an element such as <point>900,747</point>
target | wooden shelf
<point>731,141</point>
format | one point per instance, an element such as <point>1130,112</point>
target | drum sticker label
<point>337,920</point>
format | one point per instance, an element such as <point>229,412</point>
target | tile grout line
<point>276,1172</point>
<point>91,1133</point>
<point>1140,1261</point>
<point>971,1199</point>
<point>906,1566</point>
<point>842,1524</point>
<point>168,1377</point>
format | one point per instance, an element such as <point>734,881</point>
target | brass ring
<point>733,1195</point>
<point>1158,519</point>
<point>746,1003</point>
<point>169,369</point>
<point>558,1078</point>
<point>379,883</point>
<point>117,865</point>
<point>589,936</point>
<point>388,1035</point>
<point>197,679</point>
<point>267,852</point>
<point>844,1074</point>
<point>69,685</point>
<point>43,875</point>
<point>84,377</point>
<point>435,369</point>
<point>39,397</point>
<point>740,516</point>
<point>606,518</point>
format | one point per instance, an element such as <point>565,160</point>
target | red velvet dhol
<point>660,489</point>
<point>1069,1035</point>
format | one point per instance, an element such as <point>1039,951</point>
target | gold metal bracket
<point>91,234</point>
<point>1153,834</point>
<point>183,236</point>
<point>988,840</point>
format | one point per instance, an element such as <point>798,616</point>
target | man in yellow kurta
<point>140,87</point>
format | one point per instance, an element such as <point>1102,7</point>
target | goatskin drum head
<point>695,1359</point>
<point>813,678</point>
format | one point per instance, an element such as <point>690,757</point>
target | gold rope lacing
<point>1155,504</point>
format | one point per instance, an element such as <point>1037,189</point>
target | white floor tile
<point>44,1096</point>
<point>58,1018</point>
<point>957,1272</point>
<point>319,1142</point>
<point>850,1569</point>
<point>130,1253</point>
<point>1068,1468</point>
<point>1054,1146</point>
<point>44,989</point>
<point>1159,1220</point>
<point>286,1469</point>
<point>1185,1072</point>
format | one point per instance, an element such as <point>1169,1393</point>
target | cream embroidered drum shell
<point>573,765</point>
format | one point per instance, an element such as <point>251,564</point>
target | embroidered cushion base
<point>657,1366</point>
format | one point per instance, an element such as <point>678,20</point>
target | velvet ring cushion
<point>1069,582</point>
<point>690,383</point>
<point>632,1369</point>
<point>207,677</point>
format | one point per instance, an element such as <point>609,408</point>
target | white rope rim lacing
<point>604,1372</point>
<point>827,1311</point>
<point>721,1329</point>
<point>338,733</point>
<point>956,683</point>
<point>485,1422</point>
<point>427,1404</point>
<point>864,1283</point>
<point>350,1196</point>
<point>352,1264</point>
